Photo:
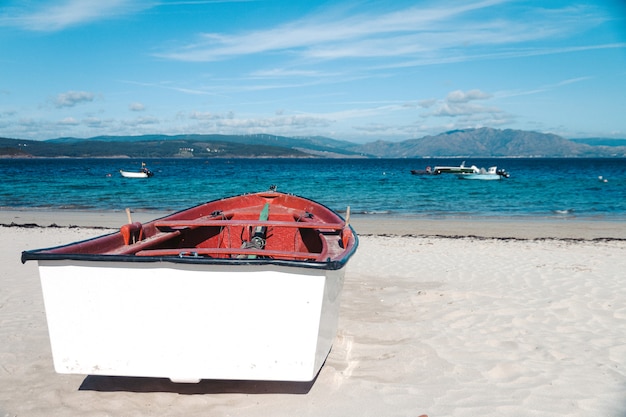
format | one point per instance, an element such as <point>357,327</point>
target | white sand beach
<point>438,318</point>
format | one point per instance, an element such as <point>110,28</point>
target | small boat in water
<point>241,288</point>
<point>453,169</point>
<point>427,171</point>
<point>493,173</point>
<point>144,172</point>
<point>465,172</point>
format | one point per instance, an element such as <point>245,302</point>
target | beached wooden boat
<point>243,288</point>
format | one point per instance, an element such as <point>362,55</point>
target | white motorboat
<point>453,169</point>
<point>493,173</point>
<point>144,172</point>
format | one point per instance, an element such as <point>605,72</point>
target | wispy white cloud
<point>417,35</point>
<point>284,73</point>
<point>465,55</point>
<point>449,109</point>
<point>256,81</point>
<point>199,2</point>
<point>316,34</point>
<point>168,85</point>
<point>277,124</point>
<point>459,96</point>
<point>68,121</point>
<point>206,116</point>
<point>94,122</point>
<point>142,121</point>
<point>49,16</point>
<point>542,88</point>
<point>458,108</point>
<point>136,106</point>
<point>460,103</point>
<point>72,98</point>
<point>574,80</point>
<point>53,15</point>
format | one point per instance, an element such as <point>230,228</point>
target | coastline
<point>377,225</point>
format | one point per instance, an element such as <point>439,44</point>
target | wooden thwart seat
<point>229,251</point>
<point>244,222</point>
<point>147,242</point>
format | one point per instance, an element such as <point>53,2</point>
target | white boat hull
<point>128,174</point>
<point>484,177</point>
<point>177,321</point>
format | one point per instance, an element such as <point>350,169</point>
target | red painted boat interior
<point>295,229</point>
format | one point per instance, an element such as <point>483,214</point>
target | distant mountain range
<point>467,143</point>
<point>488,142</point>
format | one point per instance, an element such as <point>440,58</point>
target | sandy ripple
<point>517,324</point>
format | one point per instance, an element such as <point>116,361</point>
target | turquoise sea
<point>537,188</point>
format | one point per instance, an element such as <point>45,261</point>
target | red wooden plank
<point>149,241</point>
<point>227,251</point>
<point>252,223</point>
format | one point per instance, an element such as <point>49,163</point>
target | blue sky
<point>353,70</point>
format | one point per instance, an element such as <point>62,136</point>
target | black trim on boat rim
<point>189,260</point>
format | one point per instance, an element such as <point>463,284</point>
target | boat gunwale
<point>194,260</point>
<point>44,254</point>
